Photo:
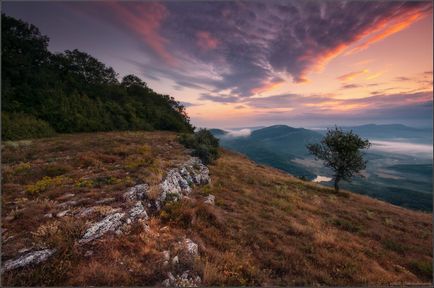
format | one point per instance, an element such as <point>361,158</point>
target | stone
<point>62,213</point>
<point>68,203</point>
<point>166,255</point>
<point>24,250</point>
<point>34,257</point>
<point>48,215</point>
<point>191,247</point>
<point>110,223</point>
<point>138,192</point>
<point>88,253</point>
<point>86,211</point>
<point>175,260</point>
<point>138,211</point>
<point>66,196</point>
<point>209,199</point>
<point>105,200</point>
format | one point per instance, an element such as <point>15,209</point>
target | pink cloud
<point>145,19</point>
<point>206,41</point>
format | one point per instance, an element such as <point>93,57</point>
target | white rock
<point>191,247</point>
<point>138,192</point>
<point>175,260</point>
<point>109,223</point>
<point>105,200</point>
<point>166,255</point>
<point>209,199</point>
<point>62,213</point>
<point>138,211</point>
<point>34,257</point>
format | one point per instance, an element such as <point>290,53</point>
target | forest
<point>45,93</point>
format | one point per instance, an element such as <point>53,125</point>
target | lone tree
<point>341,151</point>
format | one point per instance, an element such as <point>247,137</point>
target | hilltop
<point>93,204</point>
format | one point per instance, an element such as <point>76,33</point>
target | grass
<point>266,228</point>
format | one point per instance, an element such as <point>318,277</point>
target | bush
<point>22,126</point>
<point>204,145</point>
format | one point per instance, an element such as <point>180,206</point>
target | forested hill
<point>44,93</point>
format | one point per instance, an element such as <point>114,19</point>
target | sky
<point>259,63</point>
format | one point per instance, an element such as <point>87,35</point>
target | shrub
<point>23,126</point>
<point>204,145</point>
<point>422,267</point>
<point>44,184</point>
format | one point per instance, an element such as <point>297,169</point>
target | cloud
<point>225,99</point>
<point>352,75</point>
<point>239,133</point>
<point>205,41</point>
<point>351,86</point>
<point>188,104</point>
<point>248,48</point>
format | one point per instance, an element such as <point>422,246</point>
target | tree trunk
<point>337,179</point>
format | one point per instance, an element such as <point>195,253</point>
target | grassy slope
<point>267,228</point>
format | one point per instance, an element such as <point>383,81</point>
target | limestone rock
<point>34,257</point>
<point>209,199</point>
<point>109,223</point>
<point>138,211</point>
<point>191,247</point>
<point>137,192</point>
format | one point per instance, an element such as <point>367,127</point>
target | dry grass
<point>267,228</point>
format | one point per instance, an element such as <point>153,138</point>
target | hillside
<point>68,198</point>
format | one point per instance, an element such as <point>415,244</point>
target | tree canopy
<point>44,93</point>
<point>341,151</point>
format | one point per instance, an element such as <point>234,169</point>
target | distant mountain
<point>391,131</point>
<point>275,145</point>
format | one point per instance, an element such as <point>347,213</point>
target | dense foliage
<point>67,92</point>
<point>340,151</point>
<point>204,145</point>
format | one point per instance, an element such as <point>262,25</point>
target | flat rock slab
<point>34,257</point>
<point>109,223</point>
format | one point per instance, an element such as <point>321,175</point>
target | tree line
<point>44,93</point>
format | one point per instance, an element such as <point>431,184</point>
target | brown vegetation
<point>266,228</point>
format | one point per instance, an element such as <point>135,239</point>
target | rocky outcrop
<point>34,257</point>
<point>179,180</point>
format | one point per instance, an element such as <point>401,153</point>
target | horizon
<point>302,69</point>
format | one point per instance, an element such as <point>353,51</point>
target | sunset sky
<point>235,64</point>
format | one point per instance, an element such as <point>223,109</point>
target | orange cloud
<point>352,75</point>
<point>393,28</point>
<point>388,25</point>
<point>205,41</point>
<point>267,87</point>
<point>145,20</point>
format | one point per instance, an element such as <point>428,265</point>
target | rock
<point>110,223</point>
<point>138,192</point>
<point>88,253</point>
<point>166,283</point>
<point>34,257</point>
<point>48,215</point>
<point>166,255</point>
<point>191,247</point>
<point>68,203</point>
<point>24,250</point>
<point>66,196</point>
<point>105,200</point>
<point>175,260</point>
<point>129,221</point>
<point>178,180</point>
<point>209,199</point>
<point>62,213</point>
<point>138,211</point>
<point>86,211</point>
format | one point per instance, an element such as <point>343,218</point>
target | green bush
<point>204,145</point>
<point>23,126</point>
